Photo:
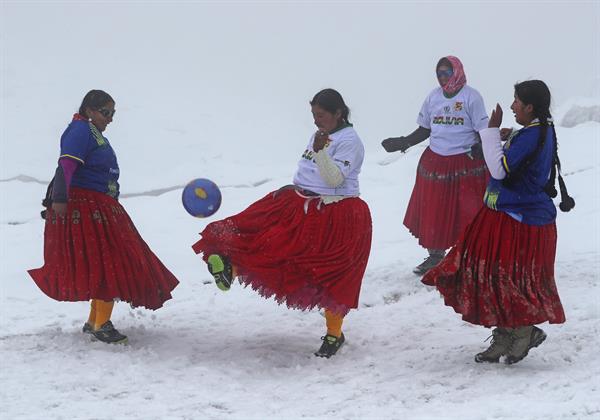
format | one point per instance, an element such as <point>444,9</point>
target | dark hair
<point>537,94</point>
<point>444,62</point>
<point>331,101</point>
<point>94,99</point>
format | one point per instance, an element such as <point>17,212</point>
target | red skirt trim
<point>501,273</point>
<point>302,252</point>
<point>448,193</point>
<point>95,252</point>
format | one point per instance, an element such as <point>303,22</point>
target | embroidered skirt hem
<point>95,252</point>
<point>501,273</point>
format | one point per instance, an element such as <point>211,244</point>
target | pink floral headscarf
<point>458,78</point>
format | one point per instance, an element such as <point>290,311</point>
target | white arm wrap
<point>331,174</point>
<point>493,152</point>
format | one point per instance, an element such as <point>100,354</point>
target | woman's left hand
<point>505,133</point>
<point>496,117</point>
<point>59,208</point>
<point>321,139</point>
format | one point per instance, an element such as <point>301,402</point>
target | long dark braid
<point>566,201</point>
<point>550,187</point>
<point>536,93</point>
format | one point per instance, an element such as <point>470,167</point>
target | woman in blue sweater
<point>501,271</point>
<point>92,250</point>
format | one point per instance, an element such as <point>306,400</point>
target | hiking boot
<point>498,347</point>
<point>428,264</point>
<point>331,344</point>
<point>221,270</point>
<point>522,340</point>
<point>87,328</point>
<point>107,333</point>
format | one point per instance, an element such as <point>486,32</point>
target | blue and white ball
<point>201,197</point>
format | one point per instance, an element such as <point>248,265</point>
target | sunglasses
<point>107,113</point>
<point>442,73</point>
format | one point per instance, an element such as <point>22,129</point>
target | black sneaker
<point>331,344</point>
<point>428,264</point>
<point>107,333</point>
<point>220,268</point>
<point>87,328</point>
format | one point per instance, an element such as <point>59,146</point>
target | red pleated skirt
<point>302,252</point>
<point>501,273</point>
<point>95,252</point>
<point>447,194</point>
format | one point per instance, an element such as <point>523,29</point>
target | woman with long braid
<point>501,271</point>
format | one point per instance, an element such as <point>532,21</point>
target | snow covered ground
<point>185,111</point>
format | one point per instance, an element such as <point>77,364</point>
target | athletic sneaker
<point>428,264</point>
<point>524,339</point>
<point>331,344</point>
<point>220,268</point>
<point>107,333</point>
<point>498,347</point>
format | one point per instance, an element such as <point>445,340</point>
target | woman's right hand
<point>393,144</point>
<point>321,140</point>
<point>496,117</point>
<point>59,208</point>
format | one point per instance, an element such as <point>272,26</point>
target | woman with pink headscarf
<point>452,175</point>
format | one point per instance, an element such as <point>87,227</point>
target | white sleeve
<point>331,174</point>
<point>424,118</point>
<point>478,115</point>
<point>493,152</point>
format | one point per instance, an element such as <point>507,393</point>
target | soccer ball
<point>201,197</point>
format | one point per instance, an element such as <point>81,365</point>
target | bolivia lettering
<point>449,120</point>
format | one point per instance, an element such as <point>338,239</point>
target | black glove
<point>476,151</point>
<point>393,144</point>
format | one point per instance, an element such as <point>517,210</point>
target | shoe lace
<point>497,339</point>
<point>493,343</point>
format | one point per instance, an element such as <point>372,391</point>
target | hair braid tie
<point>566,201</point>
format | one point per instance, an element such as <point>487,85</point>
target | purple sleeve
<point>62,179</point>
<point>69,166</point>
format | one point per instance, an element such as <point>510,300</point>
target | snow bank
<point>578,111</point>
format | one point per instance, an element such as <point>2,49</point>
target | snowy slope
<point>209,354</point>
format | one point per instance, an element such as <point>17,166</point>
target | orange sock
<point>334,323</point>
<point>92,317</point>
<point>103,312</point>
